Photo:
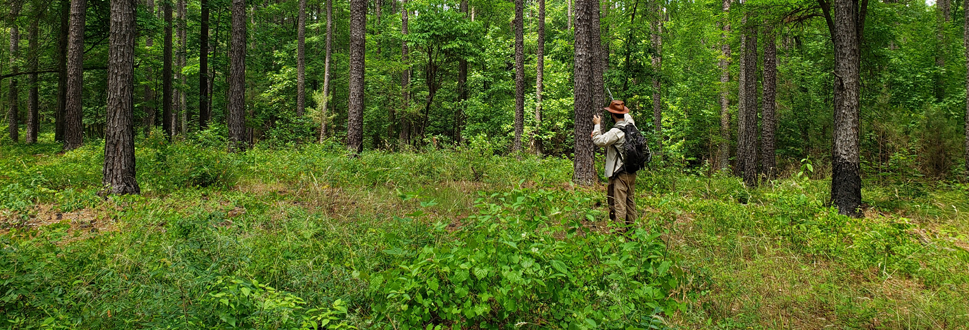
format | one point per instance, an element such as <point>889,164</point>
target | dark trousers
<point>622,207</point>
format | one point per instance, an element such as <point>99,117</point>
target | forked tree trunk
<point>519,75</point>
<point>119,140</point>
<point>540,70</point>
<point>769,124</point>
<point>237,78</point>
<point>358,32</point>
<point>326,68</point>
<point>723,153</point>
<point>73,114</point>
<point>301,60</point>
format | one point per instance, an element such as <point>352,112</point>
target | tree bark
<point>657,39</point>
<point>358,31</point>
<point>747,128</point>
<point>404,130</point>
<point>769,125</point>
<point>237,78</point>
<point>965,42</point>
<point>519,76</point>
<point>204,111</point>
<point>462,86</point>
<point>13,113</point>
<point>119,140</point>
<point>568,14</point>
<point>65,13</point>
<point>738,169</point>
<point>326,68</point>
<point>33,116</point>
<point>846,161</point>
<point>149,92</point>
<point>540,70</point>
<point>301,60</point>
<point>586,101</point>
<point>723,154</point>
<point>73,113</point>
<point>182,49</point>
<point>167,115</point>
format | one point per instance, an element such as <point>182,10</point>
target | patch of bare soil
<point>84,223</point>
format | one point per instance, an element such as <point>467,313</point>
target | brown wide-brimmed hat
<point>617,107</point>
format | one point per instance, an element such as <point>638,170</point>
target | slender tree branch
<point>826,9</point>
<point>46,71</point>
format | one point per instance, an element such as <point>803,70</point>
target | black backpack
<point>634,153</point>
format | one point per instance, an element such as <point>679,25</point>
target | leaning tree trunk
<point>585,104</point>
<point>13,114</point>
<point>65,13</point>
<point>204,111</point>
<point>723,154</point>
<point>33,117</point>
<point>748,126</point>
<point>237,78</point>
<point>404,136</point>
<point>767,140</point>
<point>846,161</point>
<point>301,59</point>
<point>167,115</point>
<point>73,114</point>
<point>326,68</point>
<point>657,38</point>
<point>119,140</point>
<point>358,31</point>
<point>519,76</point>
<point>540,70</point>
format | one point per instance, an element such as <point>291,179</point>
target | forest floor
<point>309,235</point>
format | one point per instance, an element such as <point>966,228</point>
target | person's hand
<point>596,120</point>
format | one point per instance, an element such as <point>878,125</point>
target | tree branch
<point>826,9</point>
<point>9,75</point>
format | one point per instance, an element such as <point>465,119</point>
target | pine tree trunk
<point>519,76</point>
<point>358,31</point>
<point>13,113</point>
<point>462,86</point>
<point>73,114</point>
<point>237,78</point>
<point>657,39</point>
<point>404,137</point>
<point>65,13</point>
<point>182,61</point>
<point>585,104</point>
<point>965,42</point>
<point>846,161</point>
<point>326,68</point>
<point>33,116</point>
<point>301,60</point>
<point>540,70</point>
<point>167,115</point>
<point>119,140</point>
<point>768,161</point>
<point>723,154</point>
<point>942,7</point>
<point>748,126</point>
<point>149,92</point>
<point>204,111</point>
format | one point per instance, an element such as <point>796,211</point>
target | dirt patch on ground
<point>84,223</point>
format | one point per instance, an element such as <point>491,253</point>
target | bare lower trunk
<point>65,13</point>
<point>73,128</point>
<point>723,154</point>
<point>358,31</point>
<point>657,39</point>
<point>586,103</point>
<point>519,76</point>
<point>13,113</point>
<point>237,78</point>
<point>326,68</point>
<point>462,88</point>
<point>119,140</point>
<point>747,150</point>
<point>769,120</point>
<point>540,70</point>
<point>33,117</point>
<point>404,137</point>
<point>301,60</point>
<point>204,111</point>
<point>167,115</point>
<point>182,49</point>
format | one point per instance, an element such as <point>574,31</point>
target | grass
<point>304,236</point>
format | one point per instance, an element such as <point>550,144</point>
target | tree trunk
<point>237,78</point>
<point>326,68</point>
<point>629,51</point>
<point>301,59</point>
<point>182,49</point>
<point>747,132</point>
<point>33,116</point>
<point>965,42</point>
<point>568,14</point>
<point>167,115</point>
<point>846,34</point>
<point>404,137</point>
<point>723,154</point>
<point>519,76</point>
<point>657,39</point>
<point>62,70</point>
<point>767,140</point>
<point>540,70</point>
<point>204,111</point>
<point>13,114</point>
<point>73,113</point>
<point>942,8</point>
<point>358,31</point>
<point>738,169</point>
<point>462,86</point>
<point>119,140</point>
<point>586,102</point>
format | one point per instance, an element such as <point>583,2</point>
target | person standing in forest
<point>622,184</point>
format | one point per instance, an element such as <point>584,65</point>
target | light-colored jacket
<point>612,137</point>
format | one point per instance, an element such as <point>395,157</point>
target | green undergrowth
<point>309,237</point>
